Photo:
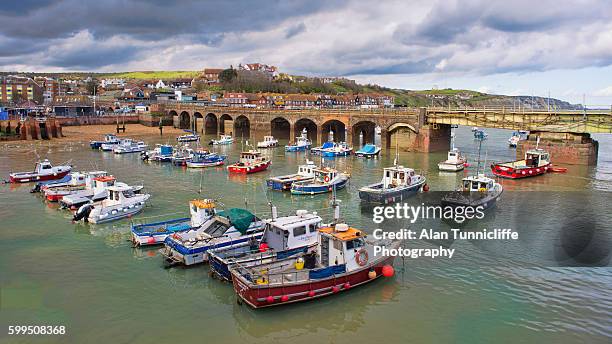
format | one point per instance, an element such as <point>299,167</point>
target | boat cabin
<point>294,231</point>
<point>477,183</point>
<point>43,166</point>
<point>397,176</point>
<point>340,244</point>
<point>201,210</point>
<point>101,183</point>
<point>117,194</point>
<point>269,139</point>
<point>536,158</point>
<point>307,170</point>
<point>250,157</point>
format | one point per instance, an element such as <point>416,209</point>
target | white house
<point>160,84</point>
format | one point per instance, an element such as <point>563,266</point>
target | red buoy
<point>347,285</point>
<point>335,289</point>
<point>263,247</point>
<point>425,188</point>
<point>387,271</point>
<point>151,240</point>
<point>270,299</point>
<point>311,293</point>
<point>284,298</point>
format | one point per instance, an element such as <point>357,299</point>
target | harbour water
<point>90,279</point>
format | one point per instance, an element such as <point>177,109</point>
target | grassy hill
<point>152,75</point>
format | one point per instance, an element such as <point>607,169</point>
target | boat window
<point>217,229</point>
<point>483,185</point>
<point>466,184</point>
<point>474,185</point>
<point>46,167</point>
<point>354,244</point>
<point>194,208</point>
<point>338,245</point>
<point>299,231</point>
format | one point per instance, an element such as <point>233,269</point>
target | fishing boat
<point>129,146</point>
<point>43,170</point>
<point>223,140</point>
<point>369,150</point>
<point>191,137</point>
<point>121,203</point>
<point>536,162</point>
<point>40,185</point>
<point>183,154</point>
<point>80,181</point>
<point>455,161</point>
<point>302,143</point>
<point>319,150</point>
<point>161,153</point>
<point>268,142</point>
<point>110,139</point>
<point>205,159</point>
<point>283,183</point>
<point>232,227</point>
<point>95,192</point>
<point>397,184</point>
<point>337,149</point>
<point>518,136</point>
<point>344,259</point>
<point>250,162</point>
<point>110,146</point>
<point>475,191</point>
<point>147,234</point>
<point>284,237</point>
<point>325,180</point>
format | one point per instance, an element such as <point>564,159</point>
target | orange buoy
<point>387,271</point>
<point>284,298</point>
<point>372,274</point>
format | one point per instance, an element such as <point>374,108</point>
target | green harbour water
<point>90,279</point>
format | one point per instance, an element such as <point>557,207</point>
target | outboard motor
<point>36,188</point>
<point>82,212</point>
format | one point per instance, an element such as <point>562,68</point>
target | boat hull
<point>517,173</point>
<point>284,184</point>
<point>297,148</point>
<point>155,233</point>
<point>35,177</point>
<point>450,167</point>
<point>248,169</point>
<point>389,196</point>
<point>257,296</point>
<point>310,189</point>
<point>367,155</point>
<point>192,164</point>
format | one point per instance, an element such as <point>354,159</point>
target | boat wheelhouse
<point>43,170</point>
<point>228,228</point>
<point>161,153</point>
<point>205,159</point>
<point>302,143</point>
<point>147,234</point>
<point>369,150</point>
<point>284,237</point>
<point>223,140</point>
<point>121,203</point>
<point>250,162</point>
<point>536,162</point>
<point>94,192</point>
<point>325,180</point>
<point>397,184</point>
<point>110,139</point>
<point>283,183</point>
<point>344,259</point>
<point>268,142</point>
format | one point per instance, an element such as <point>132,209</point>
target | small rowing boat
<point>325,180</point>
<point>283,183</point>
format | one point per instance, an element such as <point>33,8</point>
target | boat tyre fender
<point>361,258</point>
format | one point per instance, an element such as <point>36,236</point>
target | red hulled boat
<point>42,171</point>
<point>536,162</point>
<point>343,260</point>
<point>250,162</point>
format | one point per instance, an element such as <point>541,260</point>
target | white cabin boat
<point>121,202</point>
<point>223,140</point>
<point>397,184</point>
<point>268,142</point>
<point>455,161</point>
<point>130,146</point>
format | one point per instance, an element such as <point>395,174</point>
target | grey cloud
<point>295,30</point>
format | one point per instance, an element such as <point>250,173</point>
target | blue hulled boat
<point>326,180</point>
<point>155,233</point>
<point>283,183</point>
<point>338,149</point>
<point>228,228</point>
<point>205,159</point>
<point>397,184</point>
<point>368,151</point>
<point>319,150</point>
<point>301,144</point>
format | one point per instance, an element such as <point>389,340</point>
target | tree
<point>92,85</point>
<point>227,75</point>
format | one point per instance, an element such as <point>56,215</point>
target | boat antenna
<point>396,153</point>
<point>201,176</point>
<point>480,138</point>
<point>452,140</point>
<point>335,203</point>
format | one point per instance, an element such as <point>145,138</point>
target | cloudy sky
<point>561,48</point>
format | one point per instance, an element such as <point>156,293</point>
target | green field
<point>153,74</point>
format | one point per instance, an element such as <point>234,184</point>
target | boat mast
<point>480,138</point>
